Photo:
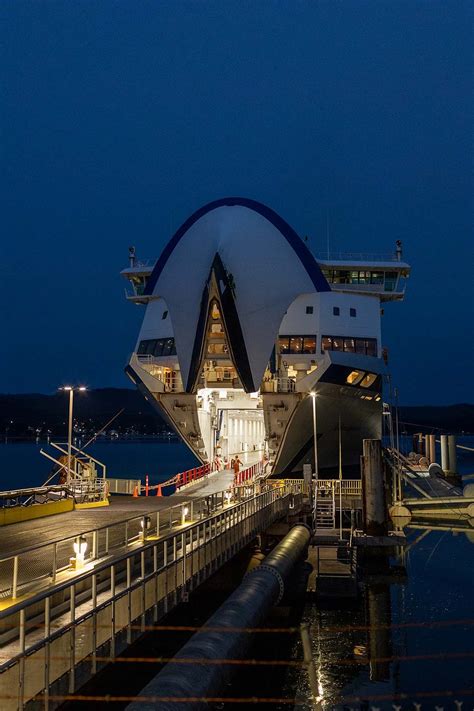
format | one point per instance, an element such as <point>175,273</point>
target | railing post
<point>129,599</point>
<point>47,652</point>
<point>157,524</point>
<point>94,623</point>
<point>72,638</point>
<point>112,617</point>
<point>55,563</point>
<point>15,578</point>
<point>21,690</point>
<point>95,544</point>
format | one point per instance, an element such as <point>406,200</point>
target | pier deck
<point>64,624</point>
<point>17,537</point>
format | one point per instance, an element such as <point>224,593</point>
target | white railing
<point>355,257</point>
<point>350,487</point>
<point>152,365</point>
<point>278,385</point>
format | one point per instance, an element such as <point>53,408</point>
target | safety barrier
<point>192,475</point>
<point>34,495</point>
<point>123,486</point>
<point>249,474</point>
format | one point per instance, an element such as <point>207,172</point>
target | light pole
<point>70,389</point>
<point>315,435</point>
<point>314,501</point>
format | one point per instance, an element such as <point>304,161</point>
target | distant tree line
<point>35,415</point>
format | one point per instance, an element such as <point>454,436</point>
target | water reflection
<point>404,641</point>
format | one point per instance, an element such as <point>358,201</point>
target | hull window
<point>364,346</point>
<point>295,345</point>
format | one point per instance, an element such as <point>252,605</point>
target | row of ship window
<point>346,276</point>
<point>288,345</point>
<point>294,345</point>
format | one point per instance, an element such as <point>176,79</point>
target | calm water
<point>420,645</point>
<point>22,465</point>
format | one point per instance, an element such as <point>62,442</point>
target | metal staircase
<point>325,517</point>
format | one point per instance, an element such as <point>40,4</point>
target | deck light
<point>184,513</point>
<point>145,524</point>
<point>80,548</point>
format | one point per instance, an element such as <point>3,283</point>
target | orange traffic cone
<point>135,492</point>
<point>158,490</point>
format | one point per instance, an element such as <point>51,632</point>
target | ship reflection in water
<point>403,642</point>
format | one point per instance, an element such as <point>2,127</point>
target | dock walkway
<point>17,537</point>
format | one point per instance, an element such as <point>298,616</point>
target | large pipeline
<point>247,607</point>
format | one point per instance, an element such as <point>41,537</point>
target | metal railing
<point>106,606</point>
<point>34,495</point>
<point>123,486</point>
<point>350,487</point>
<point>47,563</point>
<point>278,385</point>
<point>355,257</point>
<point>336,561</point>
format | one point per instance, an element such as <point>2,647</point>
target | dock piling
<point>444,453</point>
<point>375,520</point>
<point>453,465</point>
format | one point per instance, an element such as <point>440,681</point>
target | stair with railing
<point>325,518</point>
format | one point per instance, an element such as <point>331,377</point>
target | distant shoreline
<point>32,416</point>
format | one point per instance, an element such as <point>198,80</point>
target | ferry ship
<point>252,345</point>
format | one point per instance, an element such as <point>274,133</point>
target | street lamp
<point>315,435</point>
<point>70,389</point>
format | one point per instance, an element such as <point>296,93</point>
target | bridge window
<point>390,281</point>
<point>376,277</point>
<point>336,310</point>
<point>353,312</point>
<point>364,346</point>
<point>157,347</point>
<point>294,345</point>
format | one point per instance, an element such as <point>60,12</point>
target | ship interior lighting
<point>368,380</point>
<point>354,377</point>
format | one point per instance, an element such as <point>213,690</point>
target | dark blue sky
<point>119,119</point>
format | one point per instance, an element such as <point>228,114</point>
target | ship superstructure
<point>244,326</point>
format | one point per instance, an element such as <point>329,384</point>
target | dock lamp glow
<point>145,524</point>
<point>80,548</point>
<point>184,513</point>
<point>70,389</point>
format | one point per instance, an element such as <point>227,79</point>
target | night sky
<point>119,119</point>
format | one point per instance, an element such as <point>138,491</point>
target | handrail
<point>140,516</point>
<point>355,256</point>
<point>14,493</point>
<point>124,555</point>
